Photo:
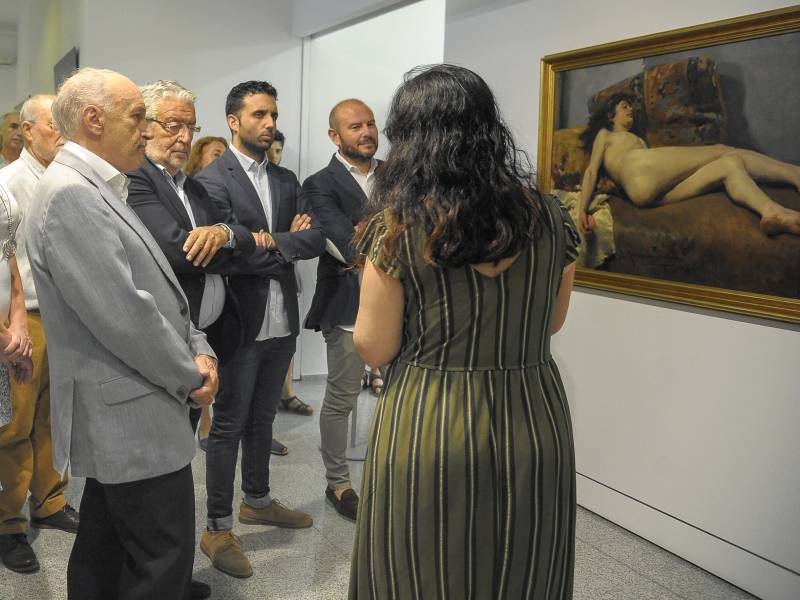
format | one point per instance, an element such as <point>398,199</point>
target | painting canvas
<point>679,156</point>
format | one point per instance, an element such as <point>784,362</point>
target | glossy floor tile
<point>313,564</point>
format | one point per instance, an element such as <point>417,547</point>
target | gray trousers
<point>345,369</point>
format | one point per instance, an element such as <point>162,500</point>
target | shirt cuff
<point>231,239</point>
<point>331,249</point>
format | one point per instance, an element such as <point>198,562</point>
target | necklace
<point>10,245</point>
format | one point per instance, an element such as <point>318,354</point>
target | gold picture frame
<point>556,66</point>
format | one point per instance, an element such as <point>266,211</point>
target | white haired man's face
<point>168,149</point>
<point>43,139</point>
<point>124,127</point>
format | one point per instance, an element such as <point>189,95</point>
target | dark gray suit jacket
<point>161,210</point>
<point>231,189</point>
<point>339,204</point>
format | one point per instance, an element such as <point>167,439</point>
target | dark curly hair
<point>453,168</point>
<point>602,117</point>
<point>235,99</point>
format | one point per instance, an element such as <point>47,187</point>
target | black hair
<point>454,169</point>
<point>235,99</point>
<point>602,117</point>
<point>278,137</point>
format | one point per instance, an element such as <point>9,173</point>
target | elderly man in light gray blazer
<point>125,360</point>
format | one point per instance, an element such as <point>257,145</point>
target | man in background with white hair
<point>26,452</point>
<point>125,360</point>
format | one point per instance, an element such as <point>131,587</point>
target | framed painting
<point>678,155</point>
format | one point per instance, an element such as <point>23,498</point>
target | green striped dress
<point>468,489</point>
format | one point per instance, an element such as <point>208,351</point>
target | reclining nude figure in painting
<point>668,174</point>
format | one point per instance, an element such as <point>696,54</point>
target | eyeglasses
<point>176,128</point>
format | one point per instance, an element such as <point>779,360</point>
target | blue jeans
<point>250,389</point>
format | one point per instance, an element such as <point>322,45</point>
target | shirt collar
<point>34,165</point>
<point>248,164</point>
<point>354,169</point>
<point>101,166</point>
<point>118,181</point>
<point>179,179</point>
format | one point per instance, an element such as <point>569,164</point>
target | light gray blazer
<point>120,342</point>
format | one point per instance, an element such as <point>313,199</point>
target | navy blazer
<point>339,204</point>
<point>231,190</point>
<point>161,210</point>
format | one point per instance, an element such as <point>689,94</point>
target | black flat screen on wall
<point>65,67</point>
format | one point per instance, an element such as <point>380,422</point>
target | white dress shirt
<point>21,177</point>
<point>276,320</point>
<point>8,209</point>
<point>213,298</point>
<point>118,181</point>
<point>366,183</point>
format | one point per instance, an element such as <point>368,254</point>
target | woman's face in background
<point>211,152</point>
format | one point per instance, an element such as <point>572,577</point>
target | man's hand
<point>19,345</point>
<point>203,243</point>
<point>264,240</point>
<point>22,371</point>
<point>300,223</point>
<point>207,367</point>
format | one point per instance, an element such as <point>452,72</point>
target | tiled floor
<point>312,564</point>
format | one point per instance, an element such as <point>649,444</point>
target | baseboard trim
<point>758,576</point>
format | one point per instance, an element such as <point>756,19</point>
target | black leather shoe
<point>199,590</point>
<point>66,520</point>
<point>347,506</point>
<point>17,553</point>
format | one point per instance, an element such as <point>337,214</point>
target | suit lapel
<point>346,180</point>
<point>165,191</point>
<point>121,208</point>
<point>235,168</point>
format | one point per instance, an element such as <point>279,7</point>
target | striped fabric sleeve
<point>572,240</point>
<point>371,246</point>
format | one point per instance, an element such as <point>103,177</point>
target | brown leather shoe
<point>225,551</point>
<point>347,506</point>
<point>274,514</point>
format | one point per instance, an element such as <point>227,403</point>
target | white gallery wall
<point>685,419</point>
<point>365,60</point>
<point>8,73</point>
<point>207,46</point>
<point>8,82</point>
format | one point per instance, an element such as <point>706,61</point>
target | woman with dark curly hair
<point>667,174</point>
<point>469,485</point>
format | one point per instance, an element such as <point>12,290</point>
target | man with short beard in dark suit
<point>337,196</point>
<point>268,198</point>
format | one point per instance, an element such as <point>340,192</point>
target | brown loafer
<point>225,551</point>
<point>274,514</point>
<point>347,506</point>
